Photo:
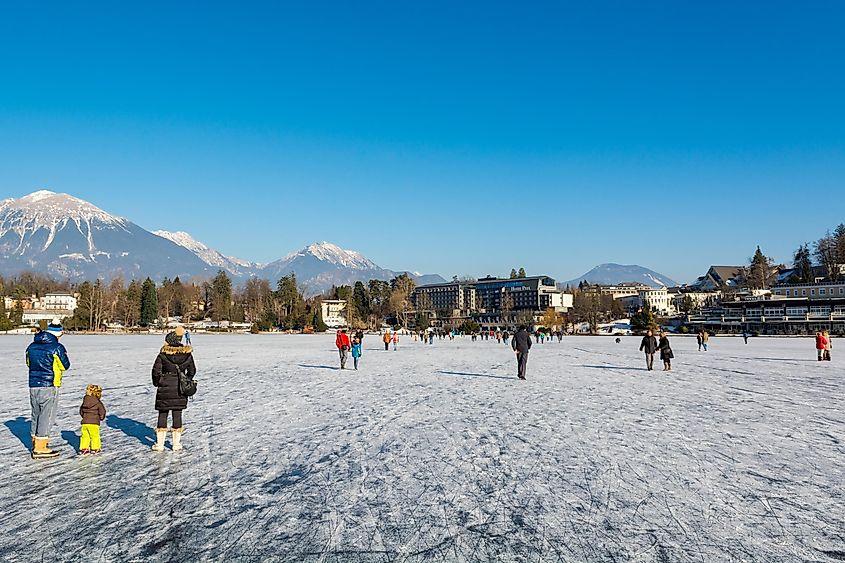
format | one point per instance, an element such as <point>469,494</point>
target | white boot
<point>176,439</point>
<point>161,434</point>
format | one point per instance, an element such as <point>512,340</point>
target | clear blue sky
<point>449,137</point>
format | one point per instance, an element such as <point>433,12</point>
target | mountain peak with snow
<point>333,254</point>
<point>205,253</point>
<point>45,208</point>
<point>610,274</point>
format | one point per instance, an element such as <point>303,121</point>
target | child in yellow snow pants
<point>92,412</point>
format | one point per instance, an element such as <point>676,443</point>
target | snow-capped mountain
<point>322,265</point>
<point>213,258</point>
<point>609,274</point>
<point>66,237</point>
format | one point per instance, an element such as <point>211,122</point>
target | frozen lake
<point>437,453</point>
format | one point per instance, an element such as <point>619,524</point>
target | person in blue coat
<point>356,351</point>
<point>47,360</point>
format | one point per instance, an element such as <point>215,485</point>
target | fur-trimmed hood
<point>173,350</point>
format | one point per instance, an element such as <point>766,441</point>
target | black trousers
<point>177,419</point>
<point>521,364</point>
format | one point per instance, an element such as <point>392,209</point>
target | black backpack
<point>187,386</point>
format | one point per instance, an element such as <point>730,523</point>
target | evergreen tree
<point>178,297</point>
<point>221,297</point>
<point>5,323</point>
<point>643,320</point>
<point>149,303</point>
<point>802,262</point>
<point>360,301</point>
<point>513,274</point>
<point>521,274</point>
<point>317,321</point>
<point>761,271</point>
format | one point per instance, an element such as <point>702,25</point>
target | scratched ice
<point>437,453</point>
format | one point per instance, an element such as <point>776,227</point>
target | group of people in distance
<point>823,345</point>
<point>47,360</point>
<point>650,345</point>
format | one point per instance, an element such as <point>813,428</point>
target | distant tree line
<point>144,303</point>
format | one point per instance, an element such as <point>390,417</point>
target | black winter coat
<point>521,341</point>
<point>166,376</point>
<point>665,349</point>
<point>648,345</point>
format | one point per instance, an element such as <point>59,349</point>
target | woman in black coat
<point>665,352</point>
<point>173,358</point>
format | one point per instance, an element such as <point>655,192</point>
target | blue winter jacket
<point>47,360</point>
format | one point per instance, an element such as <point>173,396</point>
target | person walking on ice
<point>649,346</point>
<point>386,339</point>
<point>47,360</point>
<point>666,353</point>
<point>699,340</point>
<point>93,412</point>
<point>821,343</point>
<point>705,339</point>
<point>395,340</point>
<point>173,359</point>
<point>828,345</point>
<point>356,351</point>
<point>521,346</point>
<point>343,346</point>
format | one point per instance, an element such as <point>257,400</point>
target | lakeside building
<point>617,291</point>
<point>719,278</point>
<point>491,302</point>
<point>775,314</point>
<point>54,305</point>
<point>334,312</point>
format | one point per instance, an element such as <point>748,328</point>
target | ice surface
<point>437,453</point>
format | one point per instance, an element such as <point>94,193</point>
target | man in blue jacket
<point>47,360</point>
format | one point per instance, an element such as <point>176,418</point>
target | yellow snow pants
<point>90,439</point>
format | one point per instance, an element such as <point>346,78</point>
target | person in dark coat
<point>521,345</point>
<point>649,346</point>
<point>666,353</point>
<point>172,358</point>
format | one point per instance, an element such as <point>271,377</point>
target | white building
<point>58,305</point>
<point>658,300</point>
<point>333,311</point>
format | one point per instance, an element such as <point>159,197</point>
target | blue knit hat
<point>55,328</point>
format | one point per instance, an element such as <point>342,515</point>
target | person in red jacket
<point>343,346</point>
<point>821,344</point>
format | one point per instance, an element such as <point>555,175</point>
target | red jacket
<point>342,340</point>
<point>821,342</point>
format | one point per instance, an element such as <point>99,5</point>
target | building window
<point>803,292</point>
<point>822,291</point>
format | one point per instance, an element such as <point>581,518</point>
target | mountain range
<point>68,238</point>
<point>611,274</point>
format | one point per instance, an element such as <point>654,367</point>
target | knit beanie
<point>55,328</point>
<point>173,339</point>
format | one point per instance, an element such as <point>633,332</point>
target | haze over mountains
<point>68,238</point>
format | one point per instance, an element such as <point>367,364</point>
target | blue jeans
<point>45,403</point>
